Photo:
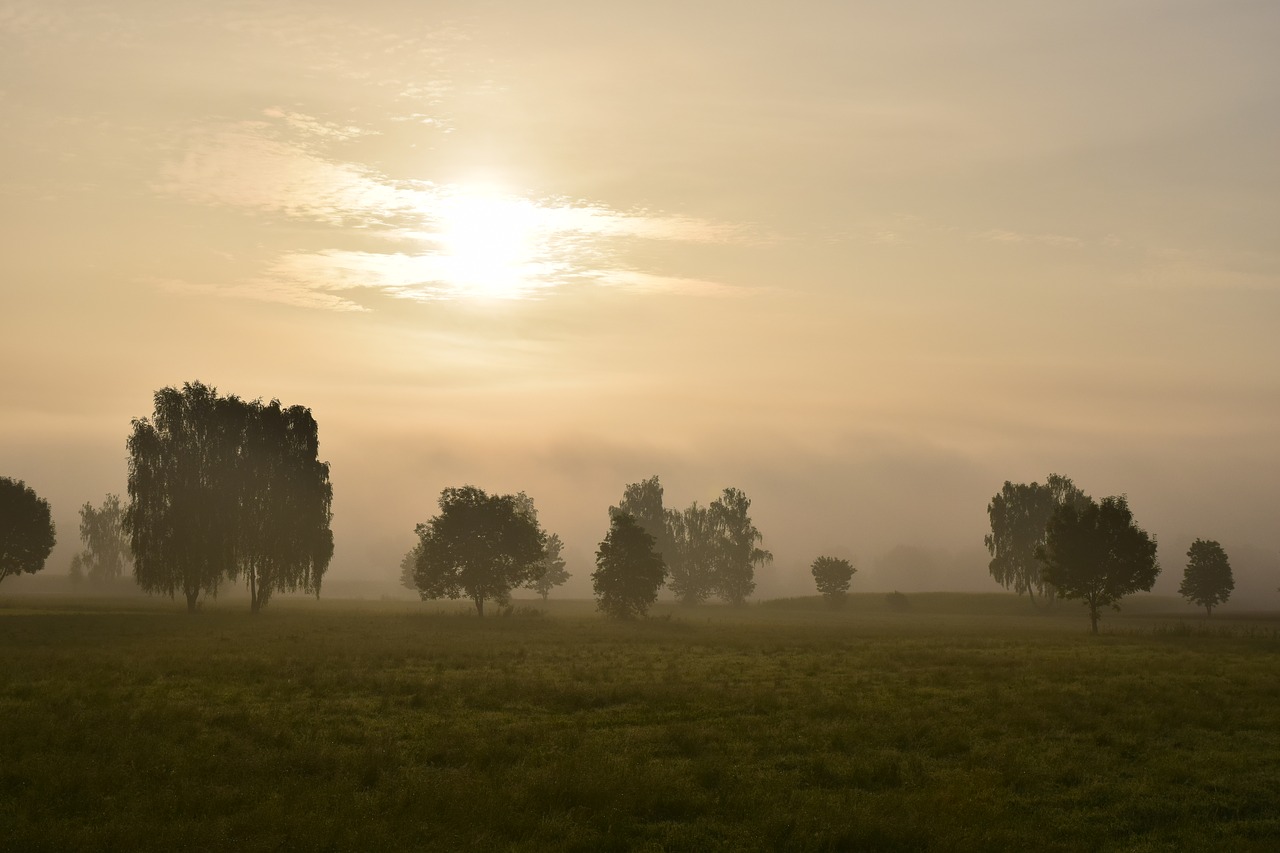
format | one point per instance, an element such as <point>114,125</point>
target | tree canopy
<point>695,546</point>
<point>629,569</point>
<point>643,502</point>
<point>832,576</point>
<point>223,488</point>
<point>551,571</point>
<point>27,532</point>
<point>480,546</point>
<point>708,550</point>
<point>1207,580</point>
<point>1096,553</point>
<point>1019,515</point>
<point>106,553</point>
<point>738,553</point>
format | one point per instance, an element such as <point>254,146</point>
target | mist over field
<point>864,262</point>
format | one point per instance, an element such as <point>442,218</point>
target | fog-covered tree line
<point>224,490</point>
<point>1054,541</point>
<point>482,547</point>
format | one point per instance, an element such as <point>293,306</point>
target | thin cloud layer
<point>450,241</point>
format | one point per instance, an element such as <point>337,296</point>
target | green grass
<point>961,723</point>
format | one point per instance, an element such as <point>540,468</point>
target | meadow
<point>954,722</point>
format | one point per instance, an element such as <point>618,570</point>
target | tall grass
<point>958,724</point>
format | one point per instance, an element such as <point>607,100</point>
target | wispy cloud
<point>445,241</point>
<point>1003,235</point>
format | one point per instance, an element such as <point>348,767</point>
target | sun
<point>488,242</point>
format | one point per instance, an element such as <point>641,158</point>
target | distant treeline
<point>223,490</point>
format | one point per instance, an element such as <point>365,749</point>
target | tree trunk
<point>1093,617</point>
<point>192,596</point>
<point>255,604</point>
<point>480,606</point>
<point>1208,609</point>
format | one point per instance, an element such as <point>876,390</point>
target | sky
<point>863,260</point>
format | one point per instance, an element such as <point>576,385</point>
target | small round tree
<point>1207,580</point>
<point>629,569</point>
<point>27,533</point>
<point>832,575</point>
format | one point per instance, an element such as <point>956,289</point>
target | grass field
<point>959,723</point>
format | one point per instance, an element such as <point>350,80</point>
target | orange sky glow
<point>865,261</point>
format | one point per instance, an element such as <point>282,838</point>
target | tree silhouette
<point>1207,580</point>
<point>643,502</point>
<point>1019,515</point>
<point>832,576</point>
<point>27,533</point>
<point>551,571</point>
<point>409,567</point>
<point>480,546</point>
<point>223,488</point>
<point>629,569</point>
<point>737,552</point>
<point>695,542</point>
<point>182,509</point>
<point>1097,554</point>
<point>283,540</point>
<point>106,552</point>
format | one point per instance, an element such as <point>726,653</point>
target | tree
<point>1019,515</point>
<point>551,571</point>
<point>737,555</point>
<point>106,552</point>
<point>180,507</point>
<point>695,543</point>
<point>220,488</point>
<point>643,502</point>
<point>832,576</point>
<point>480,546</point>
<point>629,569</point>
<point>1097,553</point>
<point>409,567</point>
<point>1207,580</point>
<point>27,532</point>
<point>283,542</point>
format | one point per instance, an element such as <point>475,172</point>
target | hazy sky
<point>863,260</point>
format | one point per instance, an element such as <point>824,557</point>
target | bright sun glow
<point>489,243</point>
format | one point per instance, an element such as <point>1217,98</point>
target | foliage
<point>737,553</point>
<point>284,542</point>
<point>106,552</point>
<point>1019,515</point>
<point>409,567</point>
<point>551,571</point>
<point>643,502</point>
<point>832,576</point>
<point>694,553</point>
<point>1207,580</point>
<point>1097,553</point>
<point>27,532</point>
<point>629,569</point>
<point>222,488</point>
<point>479,546</point>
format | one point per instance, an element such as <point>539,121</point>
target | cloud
<point>263,290</point>
<point>242,166</point>
<point>642,282</point>
<point>1183,269</point>
<point>1002,235</point>
<point>448,241</point>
